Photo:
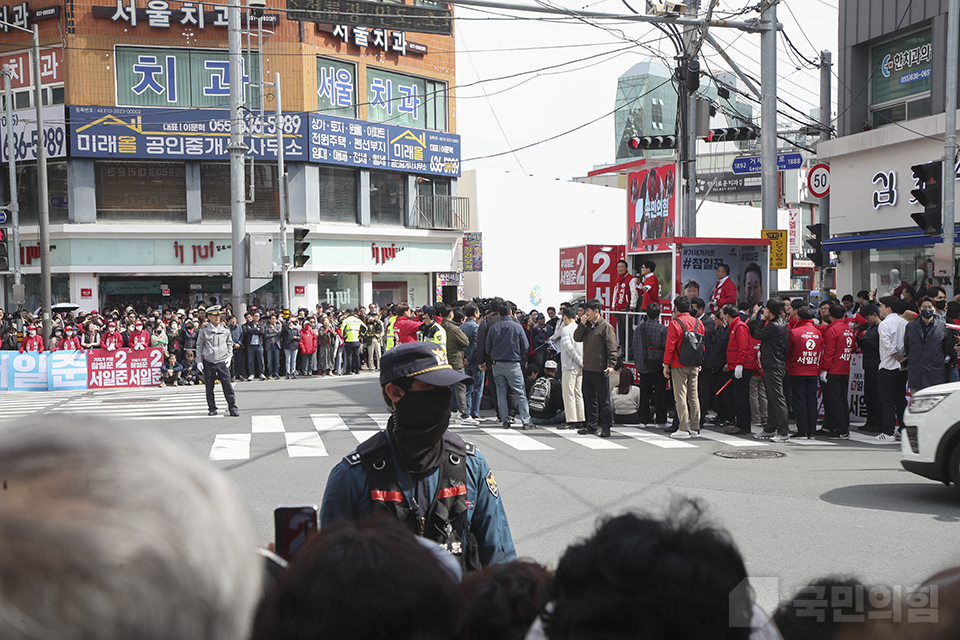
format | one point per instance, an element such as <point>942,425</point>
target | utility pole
<point>690,67</point>
<point>237,149</point>
<point>950,148</point>
<point>826,118</point>
<point>282,176</point>
<point>769,195</point>
<point>13,208</point>
<point>43,201</point>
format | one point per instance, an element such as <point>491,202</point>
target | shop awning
<point>885,240</point>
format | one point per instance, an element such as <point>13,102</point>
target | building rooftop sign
<point>377,15</point>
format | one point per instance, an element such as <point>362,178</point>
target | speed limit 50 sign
<point>818,180</point>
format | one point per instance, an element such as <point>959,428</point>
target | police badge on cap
<point>424,361</point>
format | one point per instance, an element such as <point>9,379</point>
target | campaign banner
<point>4,369</point>
<point>602,272</point>
<point>748,264</point>
<point>651,209</point>
<point>67,370</point>
<point>180,134</point>
<point>27,371</point>
<point>573,268</point>
<point>123,368</point>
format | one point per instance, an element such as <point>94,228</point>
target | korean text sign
<point>602,272</point>
<point>651,209</point>
<point>573,268</point>
<point>123,368</point>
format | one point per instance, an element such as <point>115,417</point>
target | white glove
<point>199,365</point>
<point>738,372</point>
<point>823,376</point>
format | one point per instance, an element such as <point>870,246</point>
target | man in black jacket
<point>705,377</point>
<point>869,344</point>
<point>774,336</point>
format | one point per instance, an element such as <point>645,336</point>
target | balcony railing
<point>442,212</point>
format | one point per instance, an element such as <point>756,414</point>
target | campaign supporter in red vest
<point>111,340</point>
<point>625,289</point>
<point>835,373</point>
<point>725,291</point>
<point>649,284</point>
<point>139,337</point>
<point>803,366</point>
<point>32,342</point>
<point>742,348</point>
<point>741,359</point>
<point>405,327</point>
<point>70,342</point>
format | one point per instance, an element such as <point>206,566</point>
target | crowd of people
<point>145,554</point>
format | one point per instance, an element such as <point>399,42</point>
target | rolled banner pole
<point>726,384</point>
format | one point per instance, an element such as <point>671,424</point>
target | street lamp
<point>43,205</point>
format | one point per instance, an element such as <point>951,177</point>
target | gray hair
<point>114,532</point>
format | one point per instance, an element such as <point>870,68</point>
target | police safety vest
<point>446,521</point>
<point>436,334</point>
<point>391,337</point>
<point>351,330</point>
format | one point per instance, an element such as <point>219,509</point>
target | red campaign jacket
<point>804,349</point>
<point>32,343</point>
<point>622,293</point>
<point>69,344</point>
<point>111,341</point>
<point>406,329</point>
<point>651,295</point>
<point>741,349</point>
<point>671,354</point>
<point>724,294</point>
<point>139,339</point>
<point>837,348</point>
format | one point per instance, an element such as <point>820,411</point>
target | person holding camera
<point>599,359</point>
<point>769,327</point>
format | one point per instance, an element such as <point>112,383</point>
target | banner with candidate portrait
<point>748,264</point>
<point>651,209</point>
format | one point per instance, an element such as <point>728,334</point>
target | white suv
<point>930,439</point>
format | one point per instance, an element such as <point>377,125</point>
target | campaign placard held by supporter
<point>123,368</point>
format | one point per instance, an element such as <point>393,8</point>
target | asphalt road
<point>846,508</point>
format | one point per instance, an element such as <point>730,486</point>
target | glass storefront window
<point>338,194</point>
<point>141,191</point>
<point>336,85</point>
<point>59,291</point>
<point>342,290</point>
<point>913,266</point>
<point>407,101</point>
<point>27,191</point>
<point>386,197</point>
<point>395,288</point>
<point>215,191</point>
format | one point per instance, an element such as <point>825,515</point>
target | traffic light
<point>654,142</point>
<point>4,250</point>
<point>816,243</point>
<point>299,247</point>
<point>929,193</point>
<point>731,134</point>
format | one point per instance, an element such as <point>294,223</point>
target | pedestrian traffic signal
<point>929,193</point>
<point>300,247</point>
<point>816,243</point>
<point>654,142</point>
<point>731,134</point>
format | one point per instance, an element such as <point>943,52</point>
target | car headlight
<point>922,404</point>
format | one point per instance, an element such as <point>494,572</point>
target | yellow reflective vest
<point>391,338</point>
<point>351,329</point>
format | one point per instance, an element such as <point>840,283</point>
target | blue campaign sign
<point>785,161</point>
<point>68,370</point>
<point>5,369</point>
<point>27,371</point>
<point>374,145</point>
<point>179,134</point>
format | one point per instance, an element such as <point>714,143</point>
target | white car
<point>930,439</point>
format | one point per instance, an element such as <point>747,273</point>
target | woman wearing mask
<point>290,343</point>
<point>159,339</point>
<point>326,347</point>
<point>111,340</point>
<point>189,336</point>
<point>70,341</point>
<point>55,338</point>
<point>91,337</point>
<point>308,348</point>
<point>175,339</point>
<point>32,341</point>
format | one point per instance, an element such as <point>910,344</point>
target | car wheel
<point>954,469</point>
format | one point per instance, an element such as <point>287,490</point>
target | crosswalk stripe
<point>732,441</point>
<point>362,435</point>
<point>813,443</point>
<point>517,440</point>
<point>328,422</point>
<point>267,424</point>
<point>655,439</point>
<point>380,419</point>
<point>231,446</point>
<point>588,441</point>
<point>305,444</point>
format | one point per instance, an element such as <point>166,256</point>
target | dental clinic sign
<point>904,67</point>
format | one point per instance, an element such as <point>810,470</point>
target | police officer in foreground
<point>214,351</point>
<point>419,473</point>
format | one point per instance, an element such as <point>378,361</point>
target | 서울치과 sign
<point>373,14</point>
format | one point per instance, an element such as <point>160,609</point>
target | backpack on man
<point>539,394</point>
<point>691,345</point>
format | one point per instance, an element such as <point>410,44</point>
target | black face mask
<point>418,423</point>
<point>940,304</point>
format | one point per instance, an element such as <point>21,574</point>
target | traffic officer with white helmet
<point>439,486</point>
<point>214,351</point>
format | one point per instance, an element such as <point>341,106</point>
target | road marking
<point>380,419</point>
<point>733,441</point>
<point>517,440</point>
<point>362,435</point>
<point>812,443</point>
<point>655,439</point>
<point>586,440</point>
<point>267,424</point>
<point>328,422</point>
<point>231,446</point>
<point>305,444</point>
